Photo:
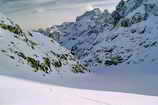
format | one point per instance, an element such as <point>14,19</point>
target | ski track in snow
<point>87,89</point>
<point>22,92</point>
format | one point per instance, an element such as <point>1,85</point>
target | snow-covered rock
<point>127,35</point>
<point>32,50</point>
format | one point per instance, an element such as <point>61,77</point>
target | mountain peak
<point>90,14</point>
<point>126,7</point>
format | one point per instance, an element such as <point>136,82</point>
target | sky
<point>32,14</point>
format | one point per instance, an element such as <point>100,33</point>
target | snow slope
<point>29,93</point>
<point>115,86</point>
<point>33,51</point>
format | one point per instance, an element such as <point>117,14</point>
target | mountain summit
<point>127,35</point>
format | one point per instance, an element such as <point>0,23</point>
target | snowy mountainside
<point>33,51</point>
<point>127,35</point>
<point>5,20</point>
<point>99,39</point>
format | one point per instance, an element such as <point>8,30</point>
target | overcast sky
<point>43,13</point>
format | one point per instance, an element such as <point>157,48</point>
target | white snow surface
<point>122,85</point>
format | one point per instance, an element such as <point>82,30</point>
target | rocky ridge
<point>127,35</point>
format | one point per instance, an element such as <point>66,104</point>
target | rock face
<point>33,51</point>
<point>127,35</point>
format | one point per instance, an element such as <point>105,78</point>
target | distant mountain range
<point>128,35</point>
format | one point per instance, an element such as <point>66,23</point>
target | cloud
<point>43,1</point>
<point>89,7</point>
<point>39,10</point>
<point>13,6</point>
<point>31,13</point>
